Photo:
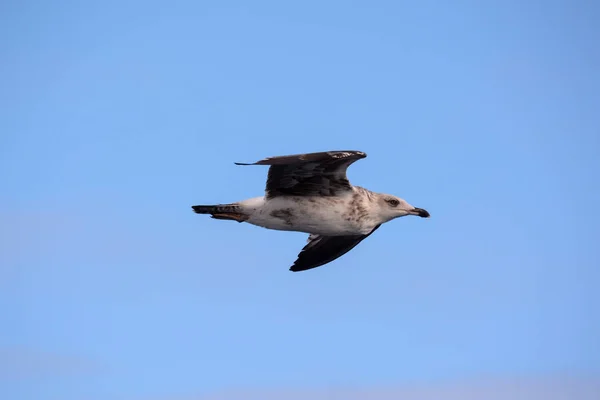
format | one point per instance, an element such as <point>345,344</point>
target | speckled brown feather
<point>313,174</point>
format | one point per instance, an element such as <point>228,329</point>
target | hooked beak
<point>420,212</point>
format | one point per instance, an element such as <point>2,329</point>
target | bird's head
<point>391,207</point>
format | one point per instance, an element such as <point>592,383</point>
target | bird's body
<point>346,214</point>
<point>310,193</point>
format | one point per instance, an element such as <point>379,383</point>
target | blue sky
<point>116,117</point>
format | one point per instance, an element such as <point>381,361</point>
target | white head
<point>391,207</point>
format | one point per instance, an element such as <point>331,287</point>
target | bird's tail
<point>231,212</point>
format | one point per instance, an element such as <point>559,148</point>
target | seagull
<point>311,193</point>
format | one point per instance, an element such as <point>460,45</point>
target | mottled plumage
<point>313,174</point>
<point>311,193</point>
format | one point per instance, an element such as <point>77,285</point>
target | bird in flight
<point>311,193</point>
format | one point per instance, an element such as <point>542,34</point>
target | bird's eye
<point>393,202</point>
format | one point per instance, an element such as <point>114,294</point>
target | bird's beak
<point>420,212</point>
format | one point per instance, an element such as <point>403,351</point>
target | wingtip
<point>294,268</point>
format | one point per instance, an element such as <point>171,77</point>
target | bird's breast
<point>330,216</point>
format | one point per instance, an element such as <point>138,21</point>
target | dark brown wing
<point>312,174</point>
<point>321,250</point>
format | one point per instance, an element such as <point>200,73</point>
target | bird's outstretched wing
<point>311,174</point>
<point>321,250</point>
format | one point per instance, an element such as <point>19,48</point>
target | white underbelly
<point>327,216</point>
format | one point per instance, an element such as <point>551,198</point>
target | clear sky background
<point>117,116</point>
